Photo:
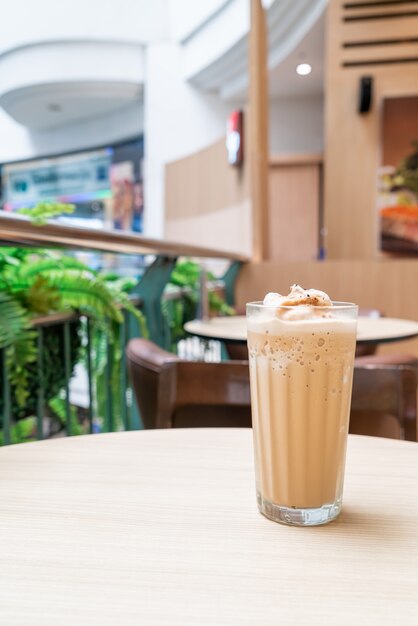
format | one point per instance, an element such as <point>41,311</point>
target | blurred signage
<point>235,138</point>
<point>73,178</point>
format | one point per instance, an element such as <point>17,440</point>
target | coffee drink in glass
<point>301,354</point>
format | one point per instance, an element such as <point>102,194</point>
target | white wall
<point>179,121</point>
<point>25,23</point>
<point>29,21</point>
<point>58,62</point>
<point>297,125</point>
<point>188,15</point>
<point>217,39</point>
<point>16,142</point>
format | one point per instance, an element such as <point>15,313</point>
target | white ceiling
<point>39,100</point>
<point>283,80</point>
<point>52,84</point>
<point>295,29</point>
<point>47,106</point>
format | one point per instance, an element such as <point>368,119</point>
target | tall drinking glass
<point>301,372</point>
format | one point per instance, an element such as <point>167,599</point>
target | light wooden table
<point>161,528</point>
<point>369,330</point>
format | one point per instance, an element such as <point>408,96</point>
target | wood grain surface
<point>161,528</point>
<point>294,211</point>
<point>258,129</point>
<point>207,201</point>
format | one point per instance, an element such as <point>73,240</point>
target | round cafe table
<point>161,528</point>
<point>369,330</point>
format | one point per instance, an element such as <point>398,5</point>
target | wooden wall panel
<point>204,183</point>
<point>294,211</point>
<point>207,200</point>
<point>354,55</point>
<point>358,31</point>
<point>227,230</point>
<point>353,140</point>
<point>389,285</point>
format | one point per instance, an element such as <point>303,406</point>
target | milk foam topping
<point>298,297</point>
<point>310,306</point>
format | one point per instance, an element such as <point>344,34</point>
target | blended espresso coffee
<point>301,352</point>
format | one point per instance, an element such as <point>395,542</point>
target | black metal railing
<point>107,402</point>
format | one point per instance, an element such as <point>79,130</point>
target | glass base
<point>298,517</point>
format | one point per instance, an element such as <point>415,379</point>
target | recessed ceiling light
<point>303,69</point>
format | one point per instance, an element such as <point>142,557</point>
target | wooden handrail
<point>304,158</point>
<point>19,230</point>
<point>51,319</point>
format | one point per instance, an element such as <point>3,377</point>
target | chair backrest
<point>171,392</point>
<point>384,401</point>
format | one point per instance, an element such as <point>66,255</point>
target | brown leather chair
<point>384,400</point>
<point>171,392</point>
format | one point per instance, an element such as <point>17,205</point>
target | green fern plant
<point>18,343</point>
<point>186,274</point>
<point>57,404</point>
<point>21,431</point>
<point>43,211</point>
<point>14,320</point>
<point>37,282</point>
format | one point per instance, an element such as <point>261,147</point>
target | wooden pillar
<point>258,130</point>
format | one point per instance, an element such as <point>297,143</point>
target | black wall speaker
<point>365,94</point>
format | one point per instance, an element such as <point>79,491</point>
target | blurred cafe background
<point>171,160</point>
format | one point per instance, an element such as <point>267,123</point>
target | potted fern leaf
<point>39,282</point>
